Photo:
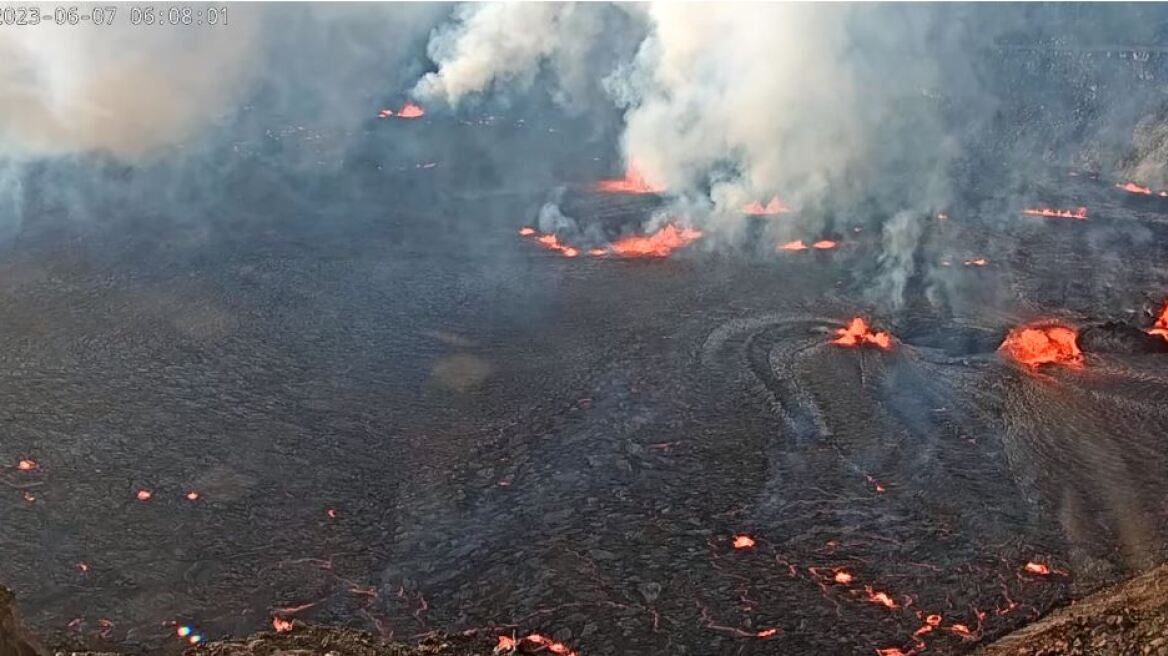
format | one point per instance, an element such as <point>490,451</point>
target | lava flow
<point>1134,188</point>
<point>408,110</point>
<point>1079,213</point>
<point>509,645</point>
<point>659,244</point>
<point>773,207</point>
<point>1161,326</point>
<point>549,241</point>
<point>798,245</point>
<point>743,542</point>
<point>857,333</point>
<point>632,183</point>
<point>1043,344</point>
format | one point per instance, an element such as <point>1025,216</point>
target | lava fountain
<point>659,244</point>
<point>857,333</point>
<point>772,208</point>
<point>632,183</point>
<point>1035,345</point>
<point>1161,326</point>
<point>1079,213</point>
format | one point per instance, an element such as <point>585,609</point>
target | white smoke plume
<point>507,42</point>
<point>899,241</point>
<point>118,88</point>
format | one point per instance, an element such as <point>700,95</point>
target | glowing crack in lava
<point>979,262</point>
<point>632,183</point>
<point>1161,326</point>
<point>857,333</point>
<point>281,625</point>
<point>659,244</point>
<point>1079,213</point>
<point>773,207</point>
<point>144,495</point>
<point>843,577</point>
<point>549,241</point>
<point>1037,569</point>
<point>798,245</point>
<point>1134,188</point>
<point>743,541</point>
<point>508,645</point>
<point>26,465</point>
<point>1043,344</point>
<point>876,597</point>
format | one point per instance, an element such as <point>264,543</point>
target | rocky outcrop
<point>14,641</point>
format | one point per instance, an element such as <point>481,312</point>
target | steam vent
<point>593,329</point>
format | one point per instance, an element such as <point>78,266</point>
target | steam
<point>117,88</point>
<point>900,239</point>
<point>506,42</point>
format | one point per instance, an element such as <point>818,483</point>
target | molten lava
<point>659,244</point>
<point>857,333</point>
<point>1161,326</point>
<point>281,625</point>
<point>632,183</point>
<point>743,541</point>
<point>550,242</point>
<point>144,495</point>
<point>193,495</point>
<point>1043,344</point>
<point>410,110</point>
<point>979,262</point>
<point>773,207</point>
<point>1134,188</point>
<point>797,245</point>
<point>26,465</point>
<point>766,633</point>
<point>1079,213</point>
<point>843,577</point>
<point>526,231</point>
<point>1037,569</point>
<point>824,244</point>
<point>881,598</point>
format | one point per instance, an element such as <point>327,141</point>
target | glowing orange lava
<point>632,183</point>
<point>1161,326</point>
<point>796,245</point>
<point>526,231</point>
<point>331,512</point>
<point>824,244</point>
<point>82,567</point>
<point>962,630</point>
<point>1043,344</point>
<point>743,541</point>
<point>192,496</point>
<point>1037,569</point>
<point>1079,213</point>
<point>410,110</point>
<point>774,206</point>
<point>281,625</point>
<point>144,494</point>
<point>979,262</point>
<point>385,113</point>
<point>843,577</point>
<point>26,465</point>
<point>659,244</point>
<point>891,651</point>
<point>596,252</point>
<point>766,633</point>
<point>547,643</point>
<point>1134,188</point>
<point>881,598</point>
<point>857,333</point>
<point>506,643</point>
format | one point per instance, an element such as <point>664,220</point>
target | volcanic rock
<point>1119,337</point>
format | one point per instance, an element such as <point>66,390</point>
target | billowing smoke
<point>899,241</point>
<point>117,88</point>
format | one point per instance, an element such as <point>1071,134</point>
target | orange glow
<point>824,244</point>
<point>144,494</point>
<point>774,206</point>
<point>1043,344</point>
<point>1161,326</point>
<point>659,244</point>
<point>385,113</point>
<point>981,261</point>
<point>843,577</point>
<point>526,231</point>
<point>857,333</point>
<point>632,183</point>
<point>82,567</point>
<point>743,541</point>
<point>410,110</point>
<point>26,465</point>
<point>28,496</point>
<point>1079,214</point>
<point>331,512</point>
<point>596,252</point>
<point>933,620</point>
<point>549,644</point>
<point>506,643</point>
<point>797,245</point>
<point>1134,188</point>
<point>962,630</point>
<point>281,625</point>
<point>192,496</point>
<point>1037,569</point>
<point>881,598</point>
<point>891,651</point>
<point>766,633</point>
